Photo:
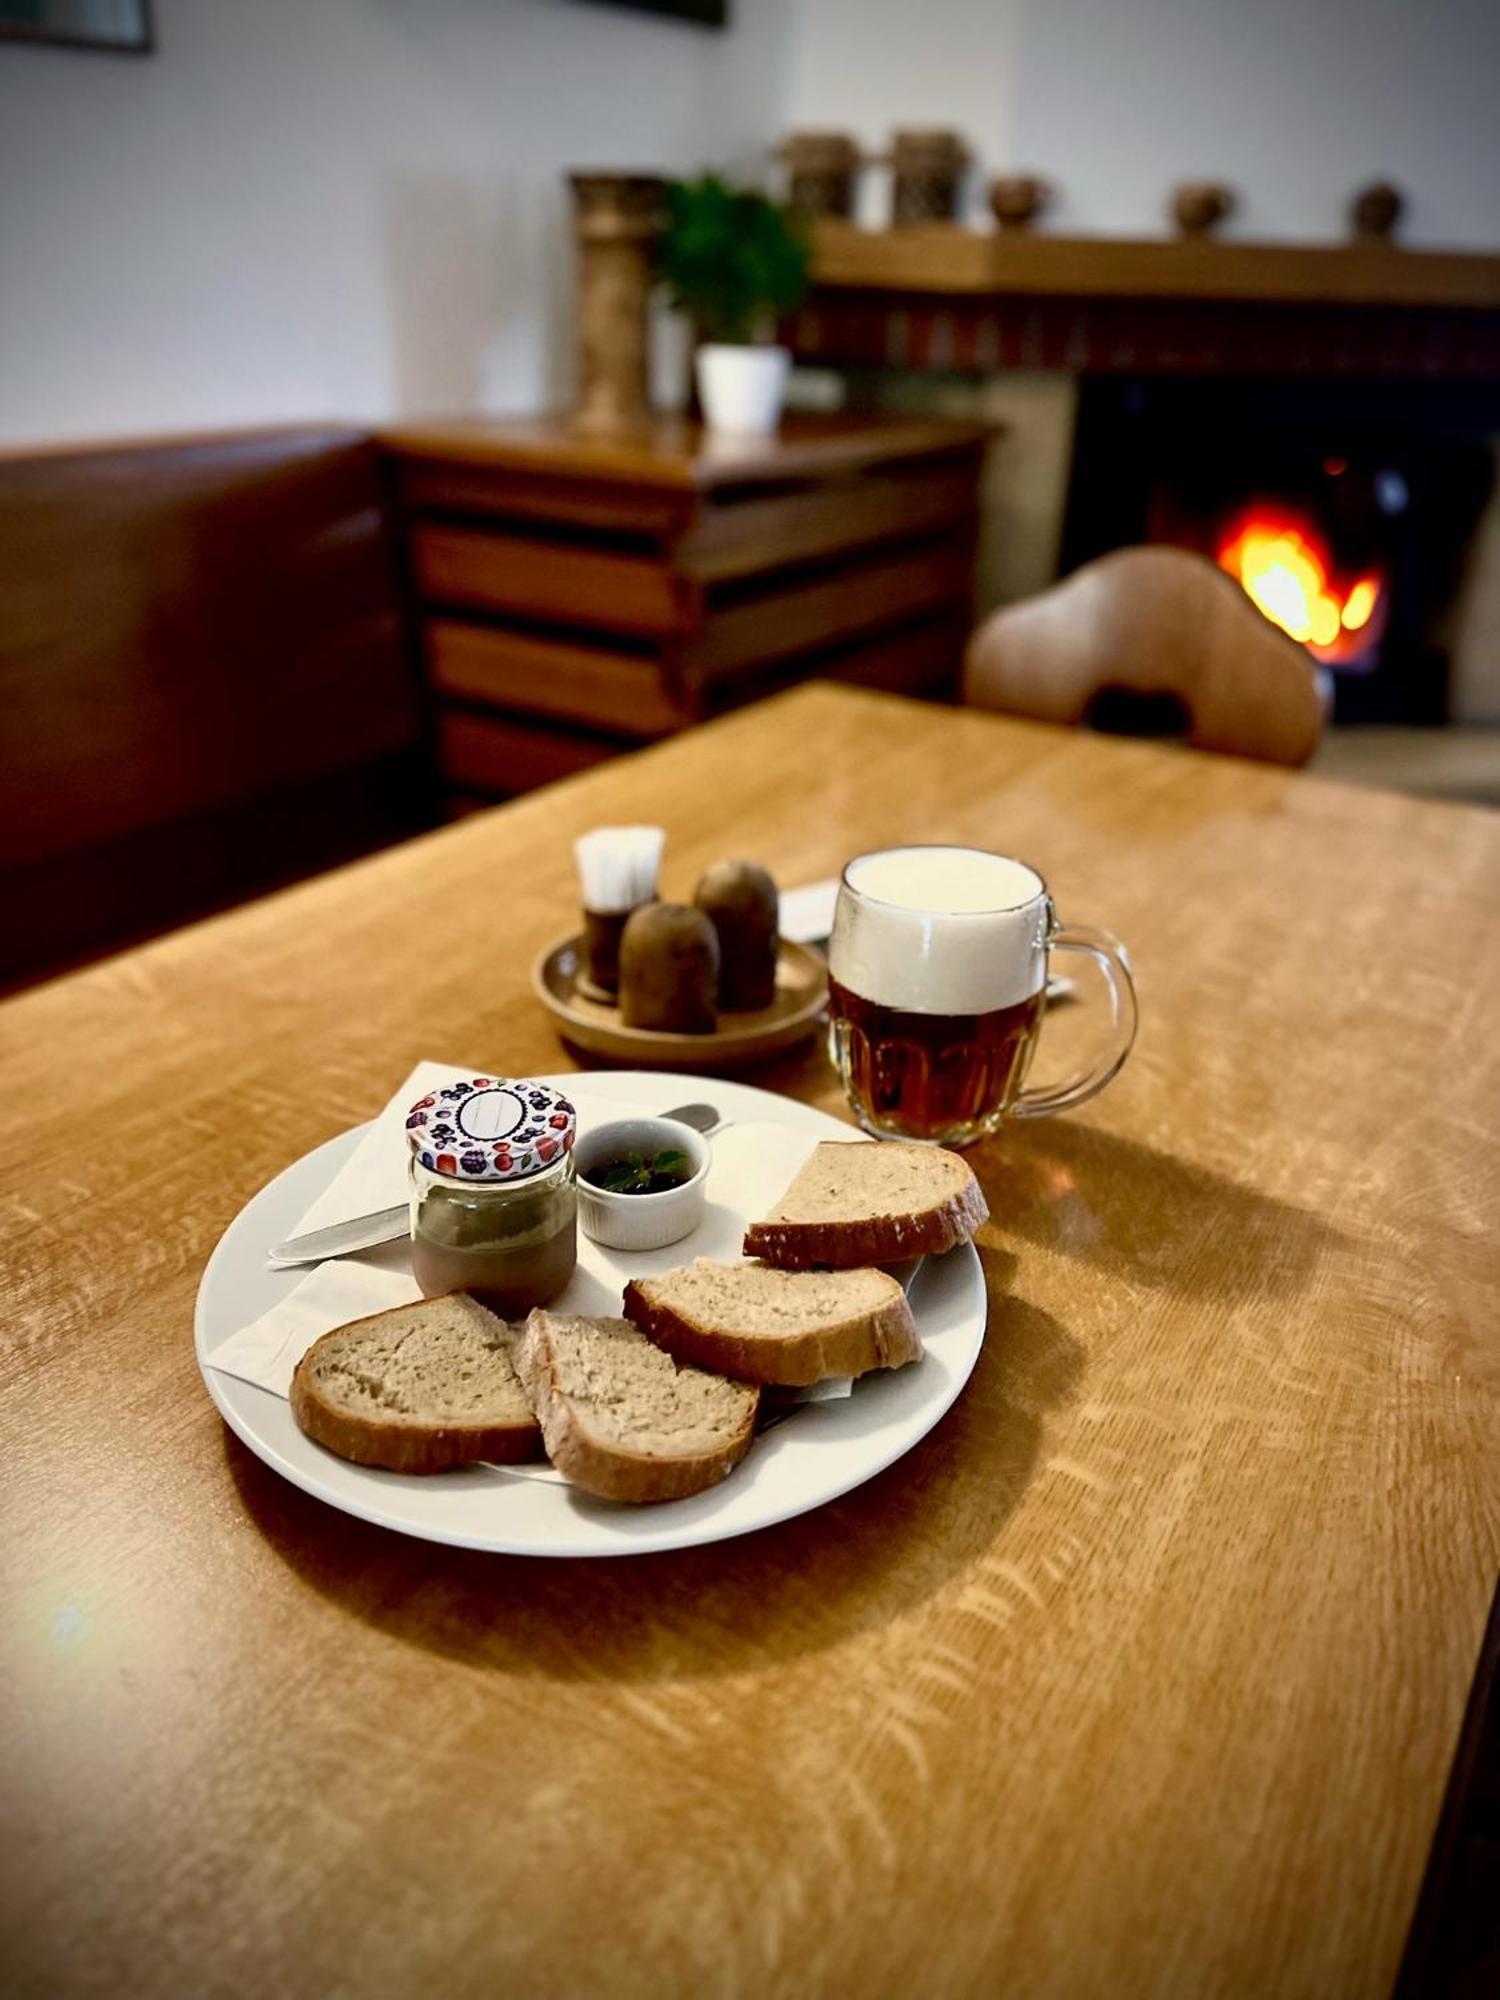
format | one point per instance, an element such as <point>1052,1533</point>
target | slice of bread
<point>870,1201</point>
<point>619,1416</point>
<point>786,1327</point>
<point>421,1388</point>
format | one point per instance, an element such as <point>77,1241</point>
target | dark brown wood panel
<point>207,681</point>
<point>738,540</point>
<point>985,335</point>
<point>59,912</point>
<point>815,614</point>
<point>585,685</point>
<point>922,659</point>
<point>538,579</point>
<point>495,756</point>
<point>189,623</point>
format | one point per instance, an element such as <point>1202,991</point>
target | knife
<point>363,1233</point>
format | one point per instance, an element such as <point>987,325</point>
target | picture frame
<point>699,13</point>
<point>109,27</point>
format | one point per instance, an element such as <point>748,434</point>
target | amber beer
<point>938,966</point>
<point>931,1076</point>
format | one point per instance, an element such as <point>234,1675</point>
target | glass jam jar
<point>494,1206</point>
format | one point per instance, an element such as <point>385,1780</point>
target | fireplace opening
<point>1284,563</point>
<point>1344,510</point>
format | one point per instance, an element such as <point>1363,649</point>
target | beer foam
<point>940,930</point>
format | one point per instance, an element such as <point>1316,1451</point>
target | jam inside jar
<point>510,1244</point>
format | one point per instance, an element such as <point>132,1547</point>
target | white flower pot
<point>741,388</point>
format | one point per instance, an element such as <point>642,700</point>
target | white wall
<point>867,66</point>
<point>304,208</point>
<point>1294,102</point>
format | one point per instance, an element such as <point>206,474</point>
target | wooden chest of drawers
<point>578,598</point>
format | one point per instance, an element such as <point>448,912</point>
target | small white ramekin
<point>640,1221</point>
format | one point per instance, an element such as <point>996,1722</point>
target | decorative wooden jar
<point>821,167</point>
<point>1018,199</point>
<point>579,597</point>
<point>1198,207</point>
<point>1374,212</point>
<point>928,169</point>
<point>616,220</point>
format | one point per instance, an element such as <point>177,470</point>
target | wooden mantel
<point>941,296</point>
<point>944,258</point>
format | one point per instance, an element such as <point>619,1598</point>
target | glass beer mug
<point>937,989</point>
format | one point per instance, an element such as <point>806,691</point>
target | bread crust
<point>876,1239</point>
<point>397,1444</point>
<point>881,1239</point>
<point>605,1469</point>
<point>885,1338</point>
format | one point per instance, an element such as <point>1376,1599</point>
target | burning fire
<point>1286,569</point>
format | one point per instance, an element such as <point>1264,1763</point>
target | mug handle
<point>1108,954</point>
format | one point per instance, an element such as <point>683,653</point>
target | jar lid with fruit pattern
<point>493,1129</point>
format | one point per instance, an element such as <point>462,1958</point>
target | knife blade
<point>363,1233</point>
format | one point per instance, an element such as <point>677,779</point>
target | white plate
<point>818,1453</point>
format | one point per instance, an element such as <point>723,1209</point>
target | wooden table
<point>1140,1676</point>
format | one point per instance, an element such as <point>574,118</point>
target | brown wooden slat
<point>498,757</point>
<point>541,579</point>
<point>737,540</point>
<point>861,600</point>
<point>918,660</point>
<point>921,660</point>
<point>582,684</point>
<point>503,491</point>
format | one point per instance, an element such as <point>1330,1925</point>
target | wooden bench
<point>207,681</point>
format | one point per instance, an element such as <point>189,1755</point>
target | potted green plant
<point>734,263</point>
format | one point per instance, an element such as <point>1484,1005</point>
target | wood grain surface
<point>942,258</point>
<point>1140,1676</point>
<point>675,455</point>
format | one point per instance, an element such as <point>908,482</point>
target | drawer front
<point>548,580</point>
<point>443,487</point>
<point>863,600</point>
<point>586,685</point>
<point>740,538</point>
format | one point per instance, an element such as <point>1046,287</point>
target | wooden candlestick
<point>616,220</point>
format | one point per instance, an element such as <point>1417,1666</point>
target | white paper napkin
<point>752,1164</point>
<point>807,913</point>
<point>375,1177</point>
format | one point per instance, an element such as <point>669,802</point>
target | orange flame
<point>1285,568</point>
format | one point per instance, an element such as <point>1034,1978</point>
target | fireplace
<point>1344,509</point>
<point>1320,418</point>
